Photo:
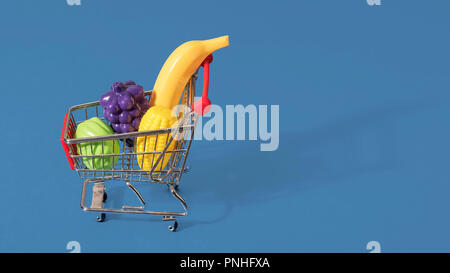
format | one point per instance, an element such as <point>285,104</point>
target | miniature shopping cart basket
<point>127,169</point>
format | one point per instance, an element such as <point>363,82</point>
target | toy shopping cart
<point>127,169</point>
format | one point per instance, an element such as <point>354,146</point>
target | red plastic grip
<point>65,146</point>
<point>202,106</point>
<point>205,65</point>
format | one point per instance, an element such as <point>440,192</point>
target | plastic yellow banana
<point>179,67</point>
<point>174,75</point>
<point>157,117</point>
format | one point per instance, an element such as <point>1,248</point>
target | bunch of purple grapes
<point>124,105</point>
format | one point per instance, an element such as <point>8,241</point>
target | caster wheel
<point>174,227</point>
<point>101,218</point>
<point>105,197</point>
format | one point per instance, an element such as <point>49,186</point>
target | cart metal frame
<point>127,168</point>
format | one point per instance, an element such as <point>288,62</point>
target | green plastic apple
<point>96,127</point>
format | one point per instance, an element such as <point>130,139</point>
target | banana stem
<point>217,43</point>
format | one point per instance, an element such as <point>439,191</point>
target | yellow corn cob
<point>157,117</point>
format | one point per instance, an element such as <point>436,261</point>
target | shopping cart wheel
<point>174,227</point>
<point>101,218</point>
<point>105,197</point>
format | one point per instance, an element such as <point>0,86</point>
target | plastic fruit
<point>96,127</point>
<point>179,67</point>
<point>173,77</point>
<point>157,117</point>
<point>124,105</point>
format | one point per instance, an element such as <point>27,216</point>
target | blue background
<point>364,132</point>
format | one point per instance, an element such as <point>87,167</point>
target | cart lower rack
<point>127,169</point>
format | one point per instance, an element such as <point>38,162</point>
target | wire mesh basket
<point>125,165</point>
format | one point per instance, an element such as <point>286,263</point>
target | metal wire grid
<point>127,168</point>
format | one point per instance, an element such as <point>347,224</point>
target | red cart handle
<point>65,146</point>
<point>203,105</point>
